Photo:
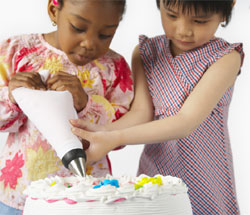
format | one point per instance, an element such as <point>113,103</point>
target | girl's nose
<point>184,29</point>
<point>88,43</point>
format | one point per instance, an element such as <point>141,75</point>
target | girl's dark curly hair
<point>121,3</point>
<point>208,6</point>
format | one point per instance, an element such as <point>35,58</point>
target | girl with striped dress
<point>190,75</point>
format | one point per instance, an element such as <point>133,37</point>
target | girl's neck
<point>50,39</point>
<point>173,50</point>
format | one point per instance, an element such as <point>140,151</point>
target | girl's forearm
<point>132,118</point>
<point>174,127</point>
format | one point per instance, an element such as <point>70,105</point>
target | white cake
<point>124,195</point>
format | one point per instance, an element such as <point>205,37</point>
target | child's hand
<point>100,143</point>
<point>62,81</point>
<point>25,79</point>
<point>88,126</point>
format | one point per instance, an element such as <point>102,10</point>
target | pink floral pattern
<point>108,83</point>
<point>23,53</point>
<point>123,78</point>
<point>12,171</point>
<point>118,114</point>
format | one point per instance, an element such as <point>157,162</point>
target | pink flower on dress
<point>123,74</point>
<point>26,68</point>
<point>12,171</point>
<point>23,53</point>
<point>118,115</point>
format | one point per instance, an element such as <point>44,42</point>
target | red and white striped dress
<point>203,159</point>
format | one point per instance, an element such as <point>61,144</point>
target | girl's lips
<point>184,42</point>
<point>82,58</point>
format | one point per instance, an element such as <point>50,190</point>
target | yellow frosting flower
<point>40,163</point>
<point>146,180</point>
<point>53,183</point>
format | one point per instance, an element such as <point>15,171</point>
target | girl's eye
<point>201,21</point>
<point>171,15</point>
<point>77,29</point>
<point>104,36</point>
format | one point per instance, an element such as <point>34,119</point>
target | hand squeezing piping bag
<point>50,111</point>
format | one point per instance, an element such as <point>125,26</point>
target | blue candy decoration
<point>106,182</point>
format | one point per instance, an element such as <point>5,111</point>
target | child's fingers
<point>77,123</point>
<point>80,133</point>
<point>93,155</point>
<point>81,124</point>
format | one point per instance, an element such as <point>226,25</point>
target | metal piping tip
<point>78,166</point>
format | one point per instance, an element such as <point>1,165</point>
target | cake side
<point>123,195</point>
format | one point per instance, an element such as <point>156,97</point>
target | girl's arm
<point>11,116</point>
<point>217,79</point>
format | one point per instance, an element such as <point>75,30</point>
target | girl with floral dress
<point>191,75</point>
<point>78,57</point>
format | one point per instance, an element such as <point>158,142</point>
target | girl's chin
<point>78,60</point>
<point>180,48</point>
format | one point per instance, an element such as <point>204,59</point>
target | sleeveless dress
<point>27,156</point>
<point>203,159</point>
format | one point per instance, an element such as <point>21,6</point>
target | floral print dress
<point>27,155</point>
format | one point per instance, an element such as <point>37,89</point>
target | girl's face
<point>189,30</point>
<point>85,28</point>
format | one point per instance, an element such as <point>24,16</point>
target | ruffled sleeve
<point>11,116</point>
<point>146,52</point>
<point>222,47</point>
<point>239,48</point>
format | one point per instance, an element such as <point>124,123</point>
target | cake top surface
<point>106,189</point>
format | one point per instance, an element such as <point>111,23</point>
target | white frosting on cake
<point>77,196</point>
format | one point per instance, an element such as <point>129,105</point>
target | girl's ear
<point>234,1</point>
<point>53,11</point>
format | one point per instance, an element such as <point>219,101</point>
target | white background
<point>142,17</point>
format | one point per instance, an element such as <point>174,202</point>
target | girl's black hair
<point>121,3</point>
<point>207,6</point>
